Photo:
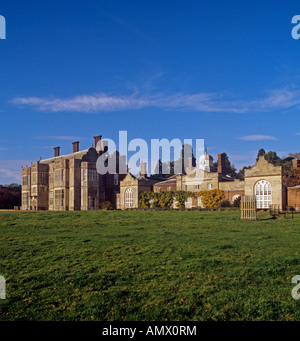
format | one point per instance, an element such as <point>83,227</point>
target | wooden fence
<point>248,207</point>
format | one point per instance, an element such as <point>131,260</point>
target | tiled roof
<point>66,156</point>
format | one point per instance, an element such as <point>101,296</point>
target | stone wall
<point>294,197</point>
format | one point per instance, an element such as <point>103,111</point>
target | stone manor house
<point>71,182</point>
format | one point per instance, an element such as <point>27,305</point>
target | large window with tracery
<point>263,193</point>
<point>129,198</point>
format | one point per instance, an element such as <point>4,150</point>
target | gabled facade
<point>265,181</point>
<point>131,187</point>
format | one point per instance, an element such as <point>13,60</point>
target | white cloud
<point>208,102</point>
<point>202,102</point>
<point>84,103</point>
<point>280,99</point>
<point>257,138</point>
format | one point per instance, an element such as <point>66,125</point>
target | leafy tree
<point>229,168</point>
<point>10,196</point>
<point>260,153</point>
<point>272,157</point>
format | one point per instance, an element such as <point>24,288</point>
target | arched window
<point>263,193</point>
<point>128,198</point>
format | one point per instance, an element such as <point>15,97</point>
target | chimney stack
<point>221,163</point>
<point>296,163</point>
<point>56,151</point>
<point>143,171</point>
<point>97,140</point>
<point>75,146</point>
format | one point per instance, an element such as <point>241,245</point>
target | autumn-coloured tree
<point>211,198</point>
<point>291,177</point>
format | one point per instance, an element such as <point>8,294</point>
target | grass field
<point>148,265</point>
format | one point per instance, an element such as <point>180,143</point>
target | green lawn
<point>148,265</point>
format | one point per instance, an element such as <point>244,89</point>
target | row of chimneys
<point>99,146</point>
<point>97,140</point>
<point>143,165</point>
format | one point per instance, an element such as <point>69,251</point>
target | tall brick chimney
<point>221,163</point>
<point>190,165</point>
<point>56,151</point>
<point>143,169</point>
<point>75,146</point>
<point>296,163</point>
<point>97,140</point>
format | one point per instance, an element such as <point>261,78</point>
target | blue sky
<point>224,71</point>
